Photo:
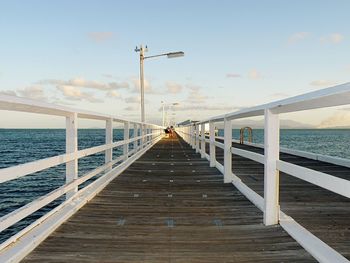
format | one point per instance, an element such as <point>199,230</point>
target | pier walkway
<point>170,206</point>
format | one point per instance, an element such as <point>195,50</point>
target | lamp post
<point>142,51</point>
<point>163,106</point>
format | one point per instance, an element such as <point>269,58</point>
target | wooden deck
<point>169,206</point>
<point>323,213</point>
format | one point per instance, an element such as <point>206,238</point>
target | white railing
<point>269,204</point>
<point>17,246</point>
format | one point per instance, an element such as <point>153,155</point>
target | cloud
<point>296,37</point>
<point>135,99</point>
<point>91,84</point>
<point>131,108</point>
<point>191,107</point>
<point>322,83</point>
<point>254,74</point>
<point>339,119</point>
<point>8,92</point>
<point>173,87</point>
<point>147,85</point>
<point>35,92</point>
<point>233,75</point>
<point>334,38</point>
<point>100,37</point>
<point>74,93</point>
<point>113,94</point>
<point>195,95</point>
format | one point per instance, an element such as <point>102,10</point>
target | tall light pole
<point>142,51</point>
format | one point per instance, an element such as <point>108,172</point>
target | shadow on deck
<point>169,206</point>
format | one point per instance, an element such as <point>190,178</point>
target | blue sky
<point>237,54</point>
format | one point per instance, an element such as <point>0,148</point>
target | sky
<point>237,54</point>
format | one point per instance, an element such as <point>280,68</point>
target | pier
<point>196,197</point>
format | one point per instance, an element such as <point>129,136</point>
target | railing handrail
<point>15,103</point>
<point>323,98</point>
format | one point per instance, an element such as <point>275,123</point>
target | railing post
<point>193,139</point>
<point>212,152</point>
<point>203,140</point>
<point>135,135</point>
<point>72,147</point>
<point>142,129</point>
<point>126,137</point>
<point>227,151</point>
<point>197,138</point>
<point>109,140</point>
<point>271,174</point>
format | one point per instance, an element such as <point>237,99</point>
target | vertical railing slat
<point>203,140</point>
<point>271,174</point>
<point>212,149</point>
<point>135,135</point>
<point>197,138</point>
<point>109,140</point>
<point>227,151</point>
<point>126,137</point>
<point>72,147</point>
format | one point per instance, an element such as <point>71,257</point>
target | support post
<point>109,140</point>
<point>197,138</point>
<point>193,138</point>
<point>135,135</point>
<point>142,128</point>
<point>126,137</point>
<point>271,174</point>
<point>227,151</point>
<point>203,140</point>
<point>212,149</point>
<point>72,147</point>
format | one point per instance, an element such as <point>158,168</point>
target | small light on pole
<point>142,51</point>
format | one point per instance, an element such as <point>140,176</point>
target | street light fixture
<point>142,51</point>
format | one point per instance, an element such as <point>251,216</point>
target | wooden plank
<point>169,206</point>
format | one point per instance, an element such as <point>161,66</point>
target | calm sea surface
<point>19,146</point>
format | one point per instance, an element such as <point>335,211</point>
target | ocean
<point>18,146</point>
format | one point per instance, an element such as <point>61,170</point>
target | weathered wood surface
<point>169,206</point>
<point>322,212</point>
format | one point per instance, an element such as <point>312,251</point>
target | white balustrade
<point>269,204</point>
<point>17,246</point>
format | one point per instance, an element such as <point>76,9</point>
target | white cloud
<point>135,99</point>
<point>113,94</point>
<point>74,93</point>
<point>147,85</point>
<point>233,75</point>
<point>296,37</point>
<point>131,108</point>
<point>195,95</point>
<point>322,83</point>
<point>339,119</point>
<point>35,92</point>
<point>334,38</point>
<point>100,37</point>
<point>173,87</point>
<point>92,84</point>
<point>254,74</point>
<point>190,107</point>
<point>8,92</point>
